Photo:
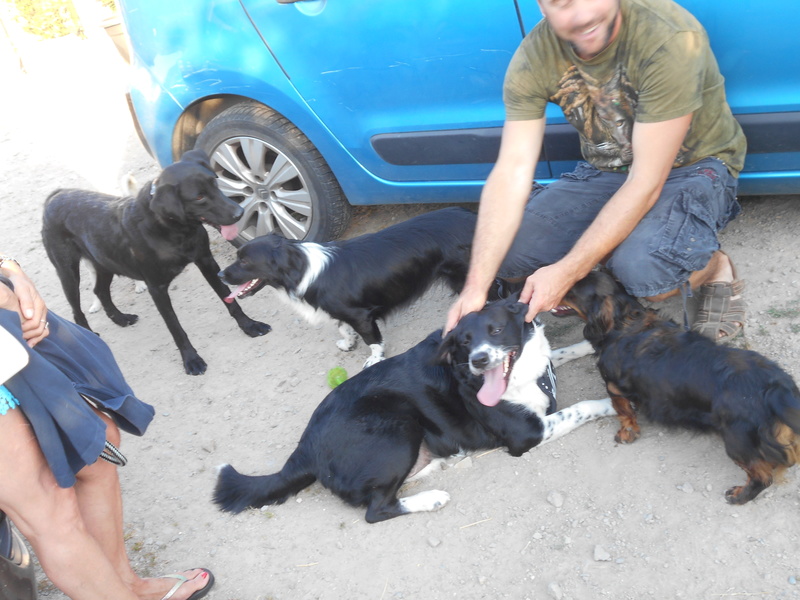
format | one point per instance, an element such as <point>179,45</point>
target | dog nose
<point>479,360</point>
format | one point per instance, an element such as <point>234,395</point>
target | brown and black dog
<point>682,378</point>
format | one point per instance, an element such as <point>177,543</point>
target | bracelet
<point>4,258</point>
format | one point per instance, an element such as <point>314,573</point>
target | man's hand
<point>544,289</point>
<point>468,301</point>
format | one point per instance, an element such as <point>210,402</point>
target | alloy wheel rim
<point>268,186</point>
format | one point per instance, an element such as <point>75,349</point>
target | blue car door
<point>413,90</point>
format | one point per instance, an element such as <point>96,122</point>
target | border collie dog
<point>682,378</point>
<point>488,384</point>
<point>359,281</point>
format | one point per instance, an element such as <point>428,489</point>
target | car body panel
<point>426,49</point>
<point>370,81</point>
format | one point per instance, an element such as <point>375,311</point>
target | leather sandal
<point>721,316</point>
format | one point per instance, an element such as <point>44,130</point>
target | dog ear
<point>516,307</point>
<point>166,203</point>
<point>501,289</point>
<point>197,156</point>
<point>599,318</point>
<point>443,354</point>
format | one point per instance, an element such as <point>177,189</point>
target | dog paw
<point>95,307</point>
<point>425,501</point>
<point>742,494</point>
<point>345,345</point>
<point>256,329</point>
<point>373,360</point>
<point>141,286</point>
<point>437,499</point>
<point>124,320</point>
<point>627,435</point>
<point>194,365</point>
<point>733,495</point>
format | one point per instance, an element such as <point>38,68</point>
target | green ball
<point>336,376</point>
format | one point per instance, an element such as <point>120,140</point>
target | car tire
<point>275,173</point>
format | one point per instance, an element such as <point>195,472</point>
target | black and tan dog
<point>682,378</point>
<point>150,238</point>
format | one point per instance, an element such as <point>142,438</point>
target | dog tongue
<point>229,231</point>
<point>234,294</point>
<point>494,386</point>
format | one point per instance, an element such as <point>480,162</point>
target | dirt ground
<point>579,518</point>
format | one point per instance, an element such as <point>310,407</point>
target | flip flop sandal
<point>183,579</point>
<point>722,314</point>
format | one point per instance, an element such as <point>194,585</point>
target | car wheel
<point>275,173</point>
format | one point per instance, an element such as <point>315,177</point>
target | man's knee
<point>646,276</point>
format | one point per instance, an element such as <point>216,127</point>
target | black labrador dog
<point>150,238</point>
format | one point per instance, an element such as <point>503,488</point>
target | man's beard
<point>606,42</point>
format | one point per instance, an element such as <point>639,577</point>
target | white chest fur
<point>318,259</point>
<point>531,364</point>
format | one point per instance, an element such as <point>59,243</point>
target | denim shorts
<point>674,239</point>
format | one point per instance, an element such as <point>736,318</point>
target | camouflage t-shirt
<point>659,67</point>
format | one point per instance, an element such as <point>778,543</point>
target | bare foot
<point>156,588</point>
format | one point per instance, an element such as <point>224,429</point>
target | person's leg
<point>49,517</point>
<point>676,242</point>
<point>555,217</point>
<point>100,501</point>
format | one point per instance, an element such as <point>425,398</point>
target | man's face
<point>588,25</point>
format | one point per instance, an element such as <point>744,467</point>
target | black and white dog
<point>362,280</point>
<point>488,384</point>
<point>150,237</point>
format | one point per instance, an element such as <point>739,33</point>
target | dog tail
<point>782,441</point>
<point>128,184</point>
<point>235,492</point>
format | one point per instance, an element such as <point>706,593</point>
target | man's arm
<point>500,212</point>
<point>655,146</point>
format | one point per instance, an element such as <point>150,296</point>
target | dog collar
<point>153,187</point>
<point>547,383</point>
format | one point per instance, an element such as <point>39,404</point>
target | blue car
<point>308,108</point>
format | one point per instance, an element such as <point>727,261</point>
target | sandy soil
<point>579,518</point>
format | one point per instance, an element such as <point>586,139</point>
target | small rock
<point>792,580</point>
<point>481,579</point>
<point>555,591</point>
<point>686,487</point>
<point>434,542</point>
<point>556,499</point>
<point>601,555</point>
